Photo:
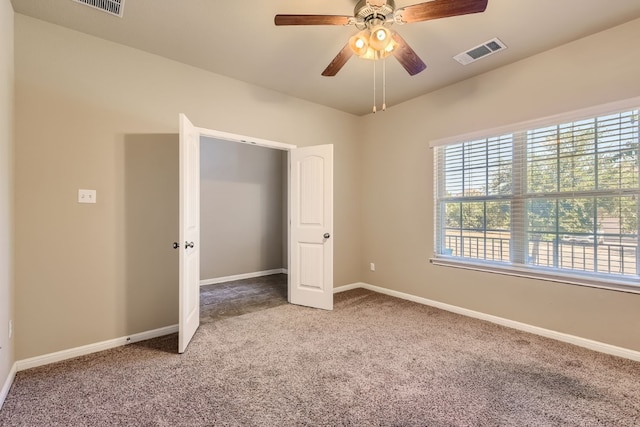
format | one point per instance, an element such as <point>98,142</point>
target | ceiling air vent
<point>112,7</point>
<point>481,51</point>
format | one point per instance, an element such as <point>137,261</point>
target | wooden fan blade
<point>338,62</point>
<point>407,57</point>
<point>312,20</point>
<point>441,9</point>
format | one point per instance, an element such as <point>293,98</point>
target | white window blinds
<point>558,198</point>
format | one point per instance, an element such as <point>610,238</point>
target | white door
<point>311,218</point>
<point>189,311</point>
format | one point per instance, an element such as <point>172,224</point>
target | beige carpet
<point>373,361</point>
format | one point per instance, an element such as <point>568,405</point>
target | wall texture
<point>6,189</point>
<point>241,208</point>
<point>98,115</point>
<point>397,226</point>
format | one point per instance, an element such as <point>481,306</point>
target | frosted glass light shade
<point>380,38</point>
<point>360,43</point>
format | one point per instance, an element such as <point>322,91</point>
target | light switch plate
<point>86,196</point>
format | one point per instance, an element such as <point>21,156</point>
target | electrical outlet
<point>372,267</point>
<point>10,328</point>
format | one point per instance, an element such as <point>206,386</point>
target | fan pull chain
<point>384,84</point>
<point>374,87</point>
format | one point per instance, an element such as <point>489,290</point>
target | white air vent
<point>480,51</point>
<point>112,7</point>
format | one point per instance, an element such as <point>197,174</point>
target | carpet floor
<point>374,360</point>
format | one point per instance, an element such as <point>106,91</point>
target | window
<point>553,199</point>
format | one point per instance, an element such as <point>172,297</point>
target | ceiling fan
<point>375,40</point>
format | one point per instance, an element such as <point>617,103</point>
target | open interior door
<point>189,311</point>
<point>311,219</point>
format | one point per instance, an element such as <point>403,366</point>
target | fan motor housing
<point>366,11</point>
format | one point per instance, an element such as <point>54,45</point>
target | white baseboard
<point>4,392</point>
<point>349,287</point>
<point>59,356</point>
<point>217,280</point>
<point>559,336</point>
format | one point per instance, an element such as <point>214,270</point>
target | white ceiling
<point>239,39</point>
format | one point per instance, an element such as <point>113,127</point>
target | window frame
<point>591,279</point>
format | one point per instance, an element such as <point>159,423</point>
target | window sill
<point>629,285</point>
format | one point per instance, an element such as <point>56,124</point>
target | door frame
<point>310,173</point>
<point>242,139</point>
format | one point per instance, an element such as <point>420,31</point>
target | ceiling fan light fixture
<point>369,54</point>
<point>359,43</point>
<point>364,46</point>
<point>391,46</point>
<point>380,38</point>
<point>380,34</point>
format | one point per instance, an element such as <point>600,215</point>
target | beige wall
<point>241,208</point>
<point>6,188</point>
<point>94,114</point>
<point>397,225</point>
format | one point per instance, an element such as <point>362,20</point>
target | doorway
<point>309,224</point>
<point>243,228</point>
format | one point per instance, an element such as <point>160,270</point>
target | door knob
<point>176,245</point>
<point>188,245</point>
<point>327,235</point>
